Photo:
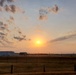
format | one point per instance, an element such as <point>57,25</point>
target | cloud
<point>6,40</point>
<point>1,23</point>
<point>55,9</point>
<point>11,18</point>
<point>7,8</point>
<point>1,8</point>
<point>2,37</point>
<point>19,10</point>
<point>10,0</point>
<point>43,12</point>
<point>3,26</point>
<point>13,8</point>
<point>5,5</point>
<point>2,43</point>
<point>19,38</point>
<point>8,27</point>
<point>63,38</point>
<point>2,2</point>
<point>43,17</point>
<point>3,34</point>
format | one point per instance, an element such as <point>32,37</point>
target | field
<point>38,65</point>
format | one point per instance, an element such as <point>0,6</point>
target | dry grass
<point>36,65</point>
<point>46,73</point>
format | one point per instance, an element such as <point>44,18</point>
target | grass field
<point>37,65</point>
<point>49,73</point>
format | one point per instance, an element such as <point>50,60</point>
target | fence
<point>11,69</point>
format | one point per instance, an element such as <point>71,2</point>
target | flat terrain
<point>38,65</point>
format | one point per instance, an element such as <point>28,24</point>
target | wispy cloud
<point>10,0</point>
<point>7,29</point>
<point>63,38</point>
<point>55,9</point>
<point>43,12</point>
<point>13,9</point>
<point>2,2</point>
<point>43,17</point>
<point>5,5</point>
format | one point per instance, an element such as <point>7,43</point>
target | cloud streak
<point>63,38</point>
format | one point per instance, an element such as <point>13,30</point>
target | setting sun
<point>38,42</point>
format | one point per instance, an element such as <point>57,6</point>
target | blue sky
<point>57,24</point>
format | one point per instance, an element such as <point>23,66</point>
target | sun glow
<point>38,42</point>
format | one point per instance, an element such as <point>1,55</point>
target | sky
<point>38,26</point>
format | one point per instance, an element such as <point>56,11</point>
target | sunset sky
<point>49,26</point>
